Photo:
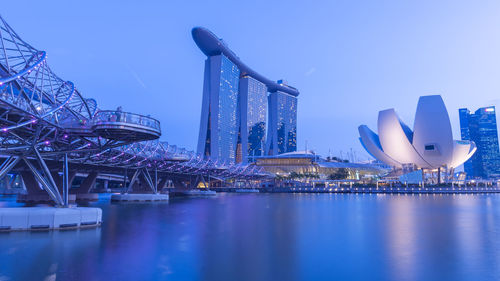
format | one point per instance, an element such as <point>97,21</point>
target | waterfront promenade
<point>386,189</point>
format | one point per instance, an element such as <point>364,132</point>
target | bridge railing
<point>114,116</point>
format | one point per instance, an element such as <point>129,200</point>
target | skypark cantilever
<point>210,45</point>
<point>236,103</point>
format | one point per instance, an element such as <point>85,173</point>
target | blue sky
<point>349,59</point>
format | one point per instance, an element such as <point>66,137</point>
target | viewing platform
<point>118,125</point>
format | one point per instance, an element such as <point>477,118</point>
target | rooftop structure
<point>211,45</point>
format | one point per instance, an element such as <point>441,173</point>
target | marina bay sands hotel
<point>239,105</point>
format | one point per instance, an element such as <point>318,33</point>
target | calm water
<point>271,237</point>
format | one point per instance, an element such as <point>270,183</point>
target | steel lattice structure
<point>43,117</point>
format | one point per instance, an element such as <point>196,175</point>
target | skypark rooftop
<point>211,45</point>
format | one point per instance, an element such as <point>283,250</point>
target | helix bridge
<point>48,128</point>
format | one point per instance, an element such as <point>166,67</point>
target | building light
<point>490,109</point>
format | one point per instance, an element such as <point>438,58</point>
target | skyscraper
<point>219,124</point>
<point>236,105</point>
<point>253,106</point>
<point>282,135</point>
<point>481,127</point>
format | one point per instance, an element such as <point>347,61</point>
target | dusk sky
<point>349,59</point>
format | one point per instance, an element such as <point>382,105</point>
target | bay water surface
<point>269,237</point>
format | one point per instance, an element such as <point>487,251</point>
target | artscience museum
<point>429,146</point>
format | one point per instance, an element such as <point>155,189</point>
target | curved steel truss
<point>43,117</point>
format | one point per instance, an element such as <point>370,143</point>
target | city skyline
<point>136,143</point>
<point>348,67</point>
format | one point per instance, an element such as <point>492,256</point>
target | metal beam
<point>132,181</point>
<point>46,186</point>
<point>8,164</point>
<point>48,176</point>
<point>148,179</point>
<point>65,181</point>
<point>156,180</point>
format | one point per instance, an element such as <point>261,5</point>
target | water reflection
<point>242,236</point>
<point>271,237</point>
<point>40,255</point>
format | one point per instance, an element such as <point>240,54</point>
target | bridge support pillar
<point>30,183</point>
<point>87,183</point>
<point>143,182</point>
<point>151,182</point>
<point>162,182</point>
<point>59,179</point>
<point>65,180</point>
<point>179,184</point>
<point>44,178</point>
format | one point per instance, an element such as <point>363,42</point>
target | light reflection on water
<point>270,237</point>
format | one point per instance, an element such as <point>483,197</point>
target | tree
<point>340,174</point>
<point>293,175</point>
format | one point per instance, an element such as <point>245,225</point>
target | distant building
<point>481,127</point>
<point>304,165</point>
<point>236,105</point>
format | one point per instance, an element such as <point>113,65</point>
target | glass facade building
<point>282,135</point>
<point>220,121</point>
<point>236,105</point>
<point>481,127</point>
<point>253,106</point>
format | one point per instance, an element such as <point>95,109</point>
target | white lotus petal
<point>395,142</point>
<point>472,150</point>
<point>462,151</point>
<point>371,143</point>
<point>432,134</point>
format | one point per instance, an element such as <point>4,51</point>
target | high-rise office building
<point>481,127</point>
<point>236,106</point>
